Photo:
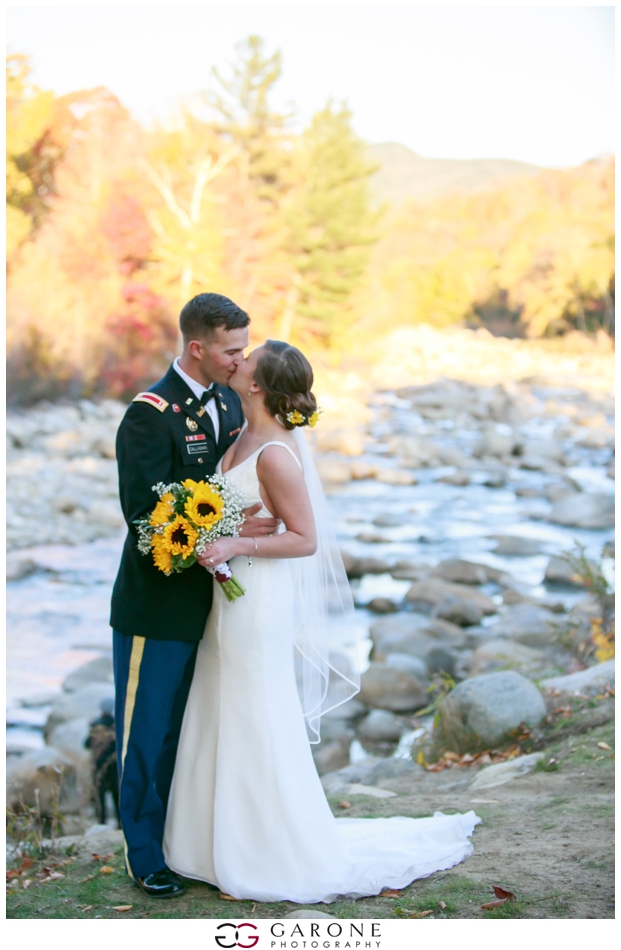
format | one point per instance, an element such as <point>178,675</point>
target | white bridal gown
<point>247,811</point>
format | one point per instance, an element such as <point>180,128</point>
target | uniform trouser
<point>152,680</point>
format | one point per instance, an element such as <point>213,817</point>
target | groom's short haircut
<point>203,313</point>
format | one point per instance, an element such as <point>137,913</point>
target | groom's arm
<point>144,451</point>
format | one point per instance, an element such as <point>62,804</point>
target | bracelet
<point>256,548</point>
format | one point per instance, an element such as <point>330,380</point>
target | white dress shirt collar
<point>197,388</point>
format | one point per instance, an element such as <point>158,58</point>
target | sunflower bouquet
<point>187,518</point>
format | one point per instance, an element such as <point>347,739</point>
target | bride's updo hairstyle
<point>285,376</point>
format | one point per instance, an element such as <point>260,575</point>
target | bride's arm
<point>284,482</point>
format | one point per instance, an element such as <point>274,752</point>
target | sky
<point>528,83</point>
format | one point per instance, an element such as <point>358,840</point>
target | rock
<point>545,449</point>
<point>48,774</point>
<point>381,726</point>
<point>527,624</point>
<point>382,605</point>
<point>557,491</point>
<point>455,478</point>
<point>408,571</point>
<point>69,738</point>
<point>359,566</point>
<point>538,463</point>
<point>495,444</point>
<point>429,593</point>
<point>360,772</point>
<point>347,711</point>
<point>18,567</point>
<point>591,681</point>
<point>513,546</point>
<point>594,510</point>
<point>384,687</point>
<point>98,839</point>
<point>308,915</point>
<point>560,572</point>
<point>460,572</point>
<point>416,452</point>
<point>504,772</point>
<point>332,472</point>
<point>495,481</point>
<point>450,456</point>
<point>403,633</point>
<point>499,654</point>
<point>596,439</point>
<point>394,768</point>
<point>96,671</point>
<point>482,712</point>
<point>344,441</point>
<point>409,664</point>
<point>396,476</point>
<point>441,660</point>
<point>360,470</point>
<point>388,520</point>
<point>372,537</point>
<point>85,703</point>
<point>104,446</point>
<point>44,698</point>
<point>459,611</point>
<point>107,513</point>
<point>528,491</point>
<point>369,790</point>
<point>330,757</point>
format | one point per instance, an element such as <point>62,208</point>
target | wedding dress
<point>247,811</point>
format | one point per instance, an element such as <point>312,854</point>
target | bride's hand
<point>257,527</point>
<point>218,551</point>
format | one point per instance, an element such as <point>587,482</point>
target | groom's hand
<point>257,527</point>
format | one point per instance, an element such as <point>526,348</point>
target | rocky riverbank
<point>454,503</point>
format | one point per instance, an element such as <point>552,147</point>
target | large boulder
<point>332,471</point>
<point>526,623</point>
<point>414,451</point>
<point>396,476</point>
<point>484,711</point>
<point>412,634</point>
<point>409,664</point>
<point>96,671</point>
<point>359,566</point>
<point>19,566</point>
<point>459,611</point>
<point>594,510</point>
<point>383,687</point>
<point>494,443</point>
<point>85,703</point>
<point>45,779</point>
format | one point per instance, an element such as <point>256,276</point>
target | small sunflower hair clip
<point>297,419</point>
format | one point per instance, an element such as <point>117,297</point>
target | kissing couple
<point>218,702</point>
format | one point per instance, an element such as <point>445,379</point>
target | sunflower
<point>314,419</point>
<point>179,537</point>
<point>205,506</point>
<point>161,556</point>
<point>190,485</point>
<point>162,511</point>
<point>295,418</point>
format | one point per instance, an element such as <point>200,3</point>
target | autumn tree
<point>330,224</point>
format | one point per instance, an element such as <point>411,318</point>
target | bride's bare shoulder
<point>281,457</point>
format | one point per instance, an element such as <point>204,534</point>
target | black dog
<point>102,743</point>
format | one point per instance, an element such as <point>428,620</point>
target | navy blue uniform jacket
<point>153,446</point>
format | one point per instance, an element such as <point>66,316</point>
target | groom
<point>179,429</point>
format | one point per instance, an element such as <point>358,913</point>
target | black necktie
<point>207,395</point>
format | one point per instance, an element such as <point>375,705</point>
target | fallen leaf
<point>451,756</point>
<point>26,863</point>
<point>563,709</point>
<point>106,869</point>
<point>491,905</point>
<point>88,907</point>
<point>27,882</point>
<point>426,913</point>
<point>54,876</point>
<point>123,907</point>
<point>102,857</point>
<point>90,878</point>
<point>390,893</point>
<point>227,897</point>
<point>500,892</point>
<point>442,905</point>
<point>483,801</point>
<point>12,874</point>
<point>344,804</point>
<point>604,745</point>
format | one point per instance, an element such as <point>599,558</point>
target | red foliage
<point>126,228</point>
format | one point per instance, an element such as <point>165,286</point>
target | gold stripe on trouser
<point>130,701</point>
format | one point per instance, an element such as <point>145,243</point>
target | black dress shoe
<point>161,884</point>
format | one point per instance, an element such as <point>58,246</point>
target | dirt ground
<point>547,837</point>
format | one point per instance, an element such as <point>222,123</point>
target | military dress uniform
<point>167,435</point>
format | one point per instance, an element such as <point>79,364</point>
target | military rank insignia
<point>191,424</point>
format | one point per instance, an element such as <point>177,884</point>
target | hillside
<point>404,174</point>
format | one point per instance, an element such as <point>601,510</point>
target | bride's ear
<point>254,388</point>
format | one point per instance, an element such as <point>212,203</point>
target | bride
<point>247,811</point>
